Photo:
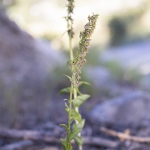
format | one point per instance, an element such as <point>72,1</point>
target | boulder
<point>26,75</point>
<point>23,58</point>
<point>131,108</point>
<point>98,75</point>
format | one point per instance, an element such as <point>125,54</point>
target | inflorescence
<point>84,45</point>
<point>70,7</point>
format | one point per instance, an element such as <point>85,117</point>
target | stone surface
<point>132,56</point>
<point>22,58</point>
<point>98,75</point>
<point>131,108</point>
<point>26,75</point>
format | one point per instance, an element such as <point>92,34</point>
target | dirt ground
<point>91,129</point>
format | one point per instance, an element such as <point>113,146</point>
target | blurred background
<point>34,53</point>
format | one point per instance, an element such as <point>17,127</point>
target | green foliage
<point>65,90</point>
<point>83,82</point>
<point>80,100</point>
<point>118,30</point>
<point>78,140</point>
<point>68,77</point>
<point>127,27</point>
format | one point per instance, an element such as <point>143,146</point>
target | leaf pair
<point>66,145</point>
<point>80,100</point>
<point>77,128</point>
<point>68,89</point>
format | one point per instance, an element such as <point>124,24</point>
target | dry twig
<point>125,136</point>
<point>41,136</point>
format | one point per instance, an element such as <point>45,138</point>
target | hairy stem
<point>70,48</point>
<point>77,110</point>
<point>70,102</point>
<point>69,115</point>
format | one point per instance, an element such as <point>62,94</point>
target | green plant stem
<point>69,116</point>
<point>72,87</point>
<point>77,110</point>
<point>74,90</point>
<point>71,93</point>
<point>70,48</point>
<point>70,106</point>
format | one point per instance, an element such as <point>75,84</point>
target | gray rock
<point>99,75</point>
<point>145,82</point>
<point>132,56</point>
<point>26,75</point>
<point>102,80</point>
<point>23,58</point>
<point>130,108</point>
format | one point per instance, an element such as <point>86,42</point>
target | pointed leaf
<point>77,128</point>
<point>68,77</point>
<point>74,133</point>
<point>83,82</point>
<point>78,140</point>
<point>65,126</point>
<point>80,99</point>
<point>64,143</point>
<point>77,89</point>
<point>65,90</point>
<point>76,116</point>
<point>69,146</point>
<point>69,63</point>
<point>66,108</point>
<point>79,124</point>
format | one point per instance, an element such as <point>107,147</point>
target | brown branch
<point>125,136</point>
<point>42,136</point>
<point>100,142</point>
<point>29,135</point>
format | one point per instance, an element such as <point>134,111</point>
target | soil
<point>92,128</point>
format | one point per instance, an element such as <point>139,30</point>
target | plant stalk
<point>72,87</point>
<point>77,110</point>
<point>70,48</point>
<point>70,103</point>
<point>70,106</point>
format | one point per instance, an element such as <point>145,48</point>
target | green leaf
<point>69,146</point>
<point>67,108</point>
<point>65,90</point>
<point>79,125</point>
<point>74,133</point>
<point>65,126</point>
<point>83,82</point>
<point>78,140</point>
<point>77,128</point>
<point>68,77</point>
<point>76,116</point>
<point>64,143</point>
<point>69,63</point>
<point>80,99</point>
<point>77,89</point>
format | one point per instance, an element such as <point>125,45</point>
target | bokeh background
<point>34,53</point>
